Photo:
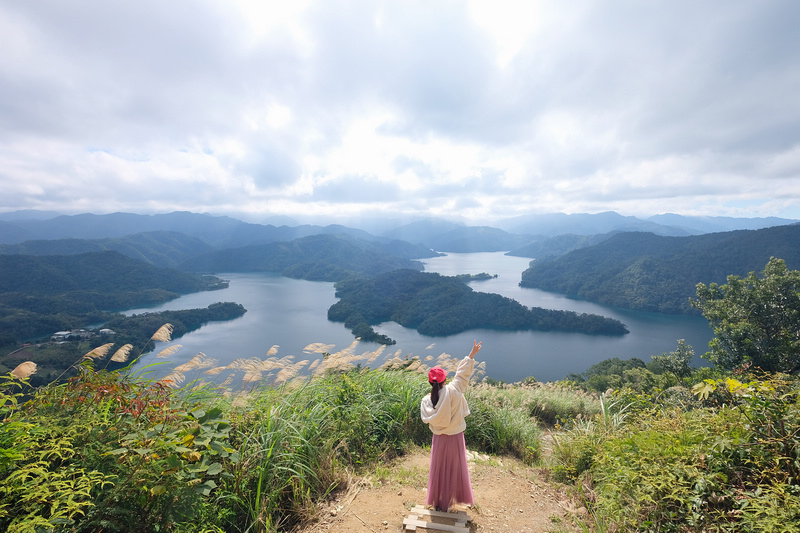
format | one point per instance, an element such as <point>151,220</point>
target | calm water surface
<point>292,314</point>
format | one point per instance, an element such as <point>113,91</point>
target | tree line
<point>437,305</point>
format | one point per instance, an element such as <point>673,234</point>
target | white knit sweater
<point>448,416</point>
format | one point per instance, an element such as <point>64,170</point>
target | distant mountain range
<point>221,232</point>
<point>159,248</point>
<point>550,225</point>
<point>217,231</point>
<point>650,265</point>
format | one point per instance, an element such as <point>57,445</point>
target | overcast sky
<point>478,109</point>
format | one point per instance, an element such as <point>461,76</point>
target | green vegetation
<point>466,278</point>
<point>653,273</point>
<point>54,358</point>
<point>756,320</point>
<point>668,448</point>
<point>442,305</point>
<point>40,295</point>
<point>721,459</point>
<point>314,258</point>
<point>160,248</point>
<point>112,451</point>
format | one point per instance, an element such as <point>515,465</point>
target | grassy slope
<point>111,449</point>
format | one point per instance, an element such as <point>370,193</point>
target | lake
<point>286,315</point>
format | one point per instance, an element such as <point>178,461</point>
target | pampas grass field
<point>255,445</point>
<point>249,446</point>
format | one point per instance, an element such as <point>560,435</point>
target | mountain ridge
<point>648,272</point>
<point>441,234</point>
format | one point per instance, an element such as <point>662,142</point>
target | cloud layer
<point>457,108</point>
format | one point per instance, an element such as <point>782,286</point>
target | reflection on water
<point>285,316</point>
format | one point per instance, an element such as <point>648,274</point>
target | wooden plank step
<point>411,524</point>
<point>460,515</point>
<point>420,517</point>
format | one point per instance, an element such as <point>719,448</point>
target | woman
<point>444,410</point>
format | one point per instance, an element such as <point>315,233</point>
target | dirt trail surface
<point>509,496</point>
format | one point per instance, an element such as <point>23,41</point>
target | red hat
<point>437,375</point>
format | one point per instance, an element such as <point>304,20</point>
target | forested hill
<point>653,273</point>
<point>439,305</point>
<point>559,245</point>
<point>102,272</point>
<point>42,295</point>
<point>314,258</point>
<point>160,248</point>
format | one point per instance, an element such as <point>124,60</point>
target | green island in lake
<point>437,305</point>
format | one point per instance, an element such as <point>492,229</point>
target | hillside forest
<point>657,273</point>
<point>56,285</point>
<point>91,443</point>
<point>632,445</point>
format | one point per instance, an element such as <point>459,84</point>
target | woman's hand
<point>476,347</point>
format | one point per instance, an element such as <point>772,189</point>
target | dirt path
<point>509,496</point>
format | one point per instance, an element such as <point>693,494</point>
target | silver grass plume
<point>98,352</point>
<point>290,372</point>
<point>169,350</point>
<point>252,376</point>
<point>198,361</point>
<point>173,380</point>
<point>318,347</point>
<point>24,370</point>
<point>121,355</point>
<point>163,334</point>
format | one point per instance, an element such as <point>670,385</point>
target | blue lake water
<point>292,314</point>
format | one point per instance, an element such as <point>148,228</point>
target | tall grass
<point>727,461</point>
<point>180,453</point>
<point>550,404</point>
<point>306,438</point>
<point>286,461</point>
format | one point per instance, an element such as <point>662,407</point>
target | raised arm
<point>476,347</point>
<point>464,370</point>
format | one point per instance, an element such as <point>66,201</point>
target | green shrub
<point>575,449</point>
<point>659,477</point>
<point>106,452</point>
<point>770,410</point>
<point>501,431</point>
<point>725,461</point>
<point>770,508</point>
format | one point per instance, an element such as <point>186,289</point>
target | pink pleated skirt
<point>448,478</point>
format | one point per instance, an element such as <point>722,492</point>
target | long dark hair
<point>435,388</point>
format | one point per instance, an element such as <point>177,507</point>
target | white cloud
<point>506,107</point>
